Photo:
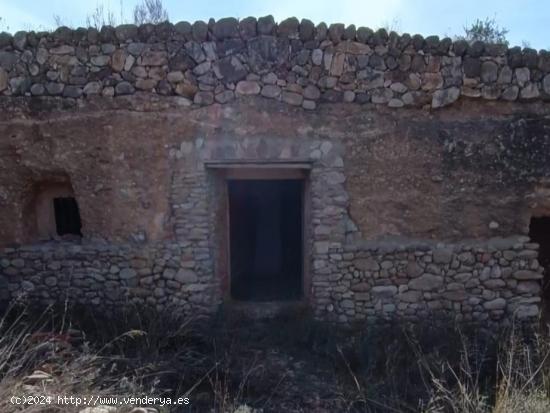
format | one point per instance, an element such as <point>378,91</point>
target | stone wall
<point>296,62</point>
<point>490,282</point>
<point>485,282</point>
<point>108,277</point>
<point>411,212</point>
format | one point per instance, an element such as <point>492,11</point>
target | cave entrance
<point>266,239</point>
<point>539,232</point>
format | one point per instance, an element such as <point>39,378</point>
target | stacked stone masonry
<point>295,62</point>
<point>410,213</point>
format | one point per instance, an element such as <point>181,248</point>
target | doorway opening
<point>266,241</point>
<point>539,232</point>
<point>67,216</point>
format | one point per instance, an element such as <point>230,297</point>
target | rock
<point>410,296</point>
<point>396,103</point>
<point>398,87</point>
<point>3,80</point>
<point>127,273</point>
<point>529,288</point>
<point>136,49</point>
<point>186,276</point>
<point>247,27</point>
<point>530,91</point>
<point>490,92</point>
<point>226,27</point>
<point>92,88</point>
<point>294,99</point>
<point>54,88</point>
<point>384,291</point>
<point>349,96</point>
<point>186,89</point>
<point>225,96</point>
<point>154,58</point>
<point>317,57</point>
<point>431,81</point>
<point>124,88</point>
<point>266,24</point>
<point>289,27</point>
<point>62,50</point>
<point>366,264</point>
<point>445,97</point>
<point>527,311</point>
<point>472,67</point>
<point>307,30</point>
<point>426,282</point>
<point>230,69</point>
<point>312,92</point>
<point>247,87</point>
<point>526,275</point>
<point>175,77</point>
<point>511,93</point>
<point>126,32</point>
<point>505,75</point>
<point>203,98</point>
<point>199,29</point>
<point>442,255</point>
<point>309,104</point>
<point>413,269</point>
<point>20,40</point>
<point>271,91</point>
<point>145,84</point>
<point>546,84</point>
<point>202,68</point>
<point>37,89</point>
<point>489,72</point>
<point>336,31</point>
<point>118,60</point>
<point>381,95</point>
<point>72,91</point>
<point>522,76</point>
<point>496,304</point>
<point>101,60</point>
<point>7,60</point>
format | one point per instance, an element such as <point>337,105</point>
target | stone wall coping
<point>402,244</point>
<point>293,61</point>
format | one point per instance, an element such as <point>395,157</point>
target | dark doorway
<point>67,216</point>
<point>539,232</point>
<point>265,221</point>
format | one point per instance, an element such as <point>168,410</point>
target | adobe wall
<point>416,208</point>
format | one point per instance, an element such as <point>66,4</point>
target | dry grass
<point>291,365</point>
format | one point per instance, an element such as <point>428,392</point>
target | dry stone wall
<point>107,277</point>
<point>295,62</point>
<point>488,282</point>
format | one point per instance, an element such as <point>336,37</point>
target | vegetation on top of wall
<point>487,31</point>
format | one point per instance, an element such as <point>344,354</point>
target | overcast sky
<point>526,20</point>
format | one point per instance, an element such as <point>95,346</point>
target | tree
<point>486,30</point>
<point>150,11</point>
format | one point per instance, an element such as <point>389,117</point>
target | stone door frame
<point>223,171</point>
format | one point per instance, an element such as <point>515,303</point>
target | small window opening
<point>67,216</point>
<point>539,232</point>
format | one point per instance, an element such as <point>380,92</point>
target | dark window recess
<point>67,216</point>
<point>539,232</point>
<point>266,239</point>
